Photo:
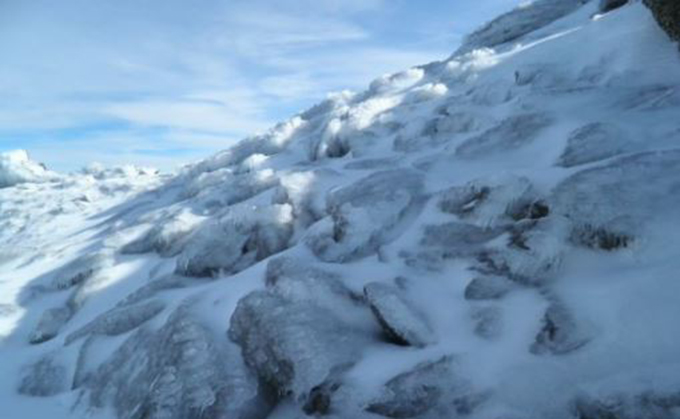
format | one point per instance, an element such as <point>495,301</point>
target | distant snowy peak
<point>16,167</point>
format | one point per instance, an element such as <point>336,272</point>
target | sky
<point>166,82</point>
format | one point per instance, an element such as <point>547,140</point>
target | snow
<point>491,236</point>
<point>16,167</point>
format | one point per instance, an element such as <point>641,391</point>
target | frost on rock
<point>119,320</point>
<point>517,23</point>
<point>220,188</point>
<point>80,270</point>
<point>236,241</point>
<point>494,202</point>
<point>50,323</point>
<point>365,214</point>
<point>456,239</point>
<point>560,332</point>
<point>610,206</point>
<point>511,134</point>
<point>648,405</point>
<point>593,142</point>
<point>400,321</point>
<point>430,390</point>
<point>184,372</point>
<point>47,377</point>
<point>488,287</point>
<point>294,346</point>
<point>167,238</point>
<point>16,167</point>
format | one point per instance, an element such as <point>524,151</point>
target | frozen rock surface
<point>524,193</point>
<point>399,319</point>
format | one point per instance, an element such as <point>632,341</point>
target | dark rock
<point>609,5</point>
<point>667,13</point>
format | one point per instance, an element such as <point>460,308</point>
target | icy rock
<point>593,142</point>
<point>456,239</point>
<point>16,167</point>
<point>647,405</point>
<point>365,214</point>
<point>51,321</point>
<point>185,372</point>
<point>167,238</point>
<point>488,287</point>
<point>488,322</point>
<point>431,389</point>
<point>517,23</point>
<point>80,270</point>
<point>152,288</point>
<point>119,320</point>
<point>302,281</point>
<point>494,202</point>
<point>294,346</point>
<point>533,256</point>
<point>304,191</point>
<point>667,13</point>
<point>236,241</point>
<point>609,5</point>
<point>560,334</point>
<point>400,321</point>
<point>621,199</point>
<point>511,134</point>
<point>44,378</point>
<point>221,188</point>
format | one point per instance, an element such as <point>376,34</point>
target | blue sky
<point>164,82</point>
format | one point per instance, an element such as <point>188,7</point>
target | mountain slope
<point>491,236</point>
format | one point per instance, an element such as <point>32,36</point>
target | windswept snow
<point>490,237</point>
<point>16,167</point>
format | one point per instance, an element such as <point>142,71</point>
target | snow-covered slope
<point>491,237</point>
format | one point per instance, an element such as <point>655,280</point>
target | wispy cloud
<point>160,81</point>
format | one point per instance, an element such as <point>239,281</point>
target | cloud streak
<point>147,80</point>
